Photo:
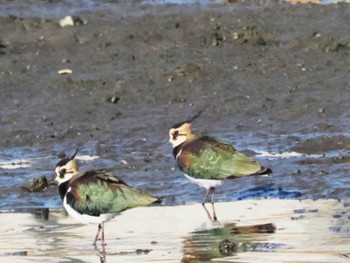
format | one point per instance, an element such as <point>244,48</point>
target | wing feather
<point>209,158</point>
<point>99,192</point>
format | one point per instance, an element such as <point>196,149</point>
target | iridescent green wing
<point>99,192</point>
<point>208,158</point>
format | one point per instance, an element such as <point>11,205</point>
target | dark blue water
<point>295,175</point>
<point>59,9</point>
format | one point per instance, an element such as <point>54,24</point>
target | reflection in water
<point>298,231</point>
<point>228,240</point>
<point>42,213</point>
<point>101,253</point>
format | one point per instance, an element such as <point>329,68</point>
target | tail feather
<point>264,171</point>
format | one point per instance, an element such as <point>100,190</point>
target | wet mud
<point>273,75</point>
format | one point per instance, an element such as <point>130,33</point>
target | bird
<point>96,196</point>
<point>208,161</point>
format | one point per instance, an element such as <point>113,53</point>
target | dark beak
<point>52,181</point>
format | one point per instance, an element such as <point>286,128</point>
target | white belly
<point>87,219</point>
<point>205,183</point>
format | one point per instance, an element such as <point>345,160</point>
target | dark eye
<point>175,134</point>
<point>62,172</point>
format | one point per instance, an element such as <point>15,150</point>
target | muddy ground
<point>265,70</point>
<point>274,68</point>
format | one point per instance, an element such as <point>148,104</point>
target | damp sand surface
<point>246,231</point>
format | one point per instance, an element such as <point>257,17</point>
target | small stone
<point>78,21</point>
<point>317,35</point>
<point>115,99</point>
<point>65,71</point>
<point>297,171</point>
<point>20,253</point>
<point>142,251</point>
<point>227,248</point>
<point>37,185</point>
<point>66,21</point>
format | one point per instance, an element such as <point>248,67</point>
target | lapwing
<point>96,196</point>
<point>208,161</point>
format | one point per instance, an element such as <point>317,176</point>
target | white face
<point>65,172</point>
<point>177,136</point>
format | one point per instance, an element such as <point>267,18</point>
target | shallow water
<point>60,9</point>
<point>320,173</point>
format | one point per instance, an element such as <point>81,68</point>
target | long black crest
<point>190,119</point>
<point>75,153</point>
<point>65,160</point>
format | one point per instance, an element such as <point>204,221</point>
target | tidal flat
<point>274,77</point>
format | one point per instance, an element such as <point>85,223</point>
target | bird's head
<point>181,132</point>
<point>66,168</point>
